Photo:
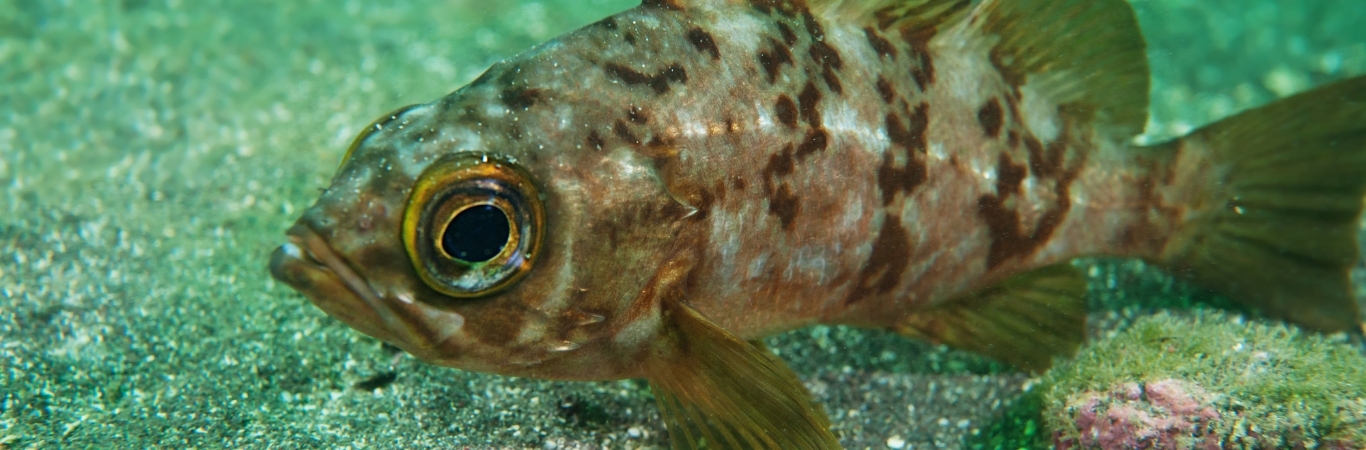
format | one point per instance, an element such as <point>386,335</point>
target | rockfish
<point>648,196</point>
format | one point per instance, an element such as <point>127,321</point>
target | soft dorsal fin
<point>1088,57</point>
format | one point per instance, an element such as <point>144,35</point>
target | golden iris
<point>473,224</point>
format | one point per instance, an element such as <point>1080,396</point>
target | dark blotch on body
<point>519,98</point>
<point>923,71</point>
<point>637,115</point>
<point>808,102</point>
<point>788,35</point>
<point>630,38</point>
<point>659,82</point>
<point>885,90</point>
<point>608,23</point>
<point>773,58</point>
<point>624,132</point>
<point>881,45</point>
<point>911,137</point>
<point>786,110</point>
<point>990,118</point>
<point>704,42</point>
<point>595,140</point>
<point>816,140</point>
<point>785,205</point>
<point>883,270</point>
<point>1008,176</point>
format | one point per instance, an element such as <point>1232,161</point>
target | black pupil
<point>477,234</point>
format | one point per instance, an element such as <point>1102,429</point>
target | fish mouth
<point>309,265</point>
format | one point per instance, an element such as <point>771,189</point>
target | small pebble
<point>896,442</point>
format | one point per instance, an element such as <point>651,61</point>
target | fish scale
<point>686,177</point>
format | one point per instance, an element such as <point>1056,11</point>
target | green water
<point>153,151</point>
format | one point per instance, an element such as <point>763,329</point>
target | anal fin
<point>717,391</point>
<point>1024,321</point>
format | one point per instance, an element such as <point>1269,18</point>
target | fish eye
<point>473,225</point>
<point>476,234</point>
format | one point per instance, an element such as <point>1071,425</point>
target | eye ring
<point>464,195</point>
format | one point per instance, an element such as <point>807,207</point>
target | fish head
<point>491,230</point>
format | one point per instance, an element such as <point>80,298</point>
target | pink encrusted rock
<point>1167,414</point>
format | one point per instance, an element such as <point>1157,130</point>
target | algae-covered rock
<point>1208,380</point>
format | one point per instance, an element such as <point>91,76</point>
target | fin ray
<point>1023,321</point>
<point>1276,219</point>
<point>715,388</point>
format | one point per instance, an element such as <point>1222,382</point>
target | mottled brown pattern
<point>990,118</point>
<point>785,205</point>
<point>808,104</point>
<point>623,131</point>
<point>637,115</point>
<point>774,58</point>
<point>674,73</point>
<point>595,140</point>
<point>789,36</point>
<point>704,42</point>
<point>519,98</point>
<point>882,272</point>
<point>885,90</point>
<point>815,141</point>
<point>881,45</point>
<point>1010,236</point>
<point>786,111</point>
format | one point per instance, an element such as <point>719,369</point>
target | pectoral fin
<point>717,391</point>
<point>1023,321</point>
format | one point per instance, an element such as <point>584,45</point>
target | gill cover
<point>473,224</point>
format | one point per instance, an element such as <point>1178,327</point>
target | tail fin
<point>1274,220</point>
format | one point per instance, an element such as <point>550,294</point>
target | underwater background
<point>152,153</point>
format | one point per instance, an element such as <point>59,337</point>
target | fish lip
<point>317,253</point>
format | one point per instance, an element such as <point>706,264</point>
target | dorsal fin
<point>1088,57</point>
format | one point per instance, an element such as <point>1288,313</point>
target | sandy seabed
<point>153,152</point>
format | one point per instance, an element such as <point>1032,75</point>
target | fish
<point>650,195</point>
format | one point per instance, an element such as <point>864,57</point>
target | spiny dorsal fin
<point>1023,321</point>
<point>717,391</point>
<point>1088,57</point>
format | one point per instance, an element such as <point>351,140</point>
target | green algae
<point>1272,385</point>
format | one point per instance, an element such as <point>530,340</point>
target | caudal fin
<point>1274,217</point>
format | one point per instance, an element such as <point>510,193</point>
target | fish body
<point>720,171</point>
